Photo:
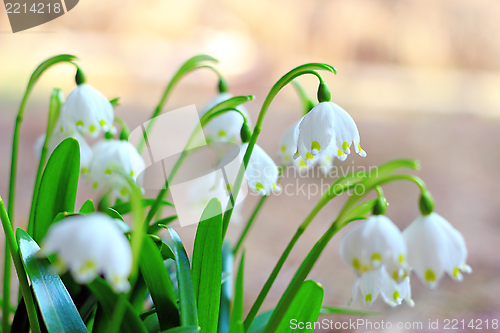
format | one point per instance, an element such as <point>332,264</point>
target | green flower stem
<point>190,65</point>
<point>338,187</point>
<point>249,224</point>
<point>125,132</point>
<point>340,222</point>
<point>13,172</point>
<point>23,280</point>
<point>307,103</point>
<point>217,110</point>
<point>287,78</point>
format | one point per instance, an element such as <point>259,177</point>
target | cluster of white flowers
<point>90,245</point>
<point>323,134</point>
<point>382,256</point>
<point>87,112</point>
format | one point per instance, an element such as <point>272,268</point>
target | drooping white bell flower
<point>90,245</point>
<point>288,147</point>
<point>326,124</point>
<point>88,110</point>
<point>262,173</point>
<point>371,248</point>
<point>435,247</point>
<point>378,282</point>
<point>109,154</point>
<point>225,127</point>
<point>60,133</point>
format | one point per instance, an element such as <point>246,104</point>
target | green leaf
<point>125,207</point>
<point>56,306</point>
<point>187,296</point>
<point>360,211</point>
<point>305,307</point>
<point>58,186</point>
<point>237,327</point>
<point>87,207</point>
<point>113,214</point>
<point>155,227</point>
<point>183,329</point>
<point>327,310</point>
<point>227,288</point>
<point>159,284</point>
<point>260,322</point>
<point>237,314</point>
<point>131,323</point>
<point>207,266</point>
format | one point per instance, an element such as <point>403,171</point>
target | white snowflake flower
<point>61,133</point>
<point>225,127</point>
<point>326,124</point>
<point>372,247</point>
<point>109,154</point>
<point>262,173</point>
<point>89,245</point>
<point>88,110</point>
<point>435,247</point>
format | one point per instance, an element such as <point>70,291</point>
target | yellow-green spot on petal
<point>309,156</point>
<point>62,129</point>
<point>283,148</point>
<point>368,298</point>
<point>395,275</point>
<point>89,265</point>
<point>123,192</point>
<point>315,145</point>
<point>259,186</point>
<point>401,258</point>
<point>456,271</point>
<point>84,170</point>
<point>92,128</point>
<point>395,295</point>
<point>95,185</point>
<point>430,276</point>
<point>79,123</point>
<point>221,133</point>
<point>345,146</point>
<point>359,146</point>
<point>365,269</point>
<point>356,264</point>
<point>228,187</point>
<point>376,257</point>
<point>274,186</point>
<point>132,173</point>
<point>108,171</point>
<point>340,152</point>
<point>302,163</point>
<point>102,122</point>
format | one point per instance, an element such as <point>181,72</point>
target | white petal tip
<point>295,156</point>
<point>314,152</point>
<point>410,302</point>
<point>277,189</point>
<point>347,151</point>
<point>362,153</point>
<point>466,269</point>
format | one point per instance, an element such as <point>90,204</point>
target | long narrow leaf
<point>305,308</point>
<point>187,296</point>
<point>207,266</point>
<point>131,323</point>
<point>237,314</point>
<point>159,284</point>
<point>183,329</point>
<point>58,186</point>
<point>56,306</point>
<point>227,288</point>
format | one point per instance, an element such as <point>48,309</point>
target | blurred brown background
<point>421,78</point>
